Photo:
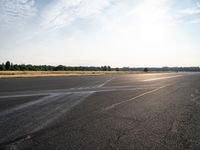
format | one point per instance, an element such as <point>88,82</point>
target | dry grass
<point>21,74</point>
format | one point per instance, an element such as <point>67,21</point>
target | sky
<point>119,33</point>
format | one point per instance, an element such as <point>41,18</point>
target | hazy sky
<point>101,32</point>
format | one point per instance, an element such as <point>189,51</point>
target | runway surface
<point>108,112</point>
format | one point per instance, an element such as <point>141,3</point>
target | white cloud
<point>189,11</point>
<point>63,12</point>
<point>129,32</point>
<point>13,11</point>
<point>188,14</point>
<point>151,11</point>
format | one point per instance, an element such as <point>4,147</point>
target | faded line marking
<point>62,110</point>
<point>27,104</point>
<point>45,93</point>
<point>93,89</point>
<point>46,117</point>
<point>125,89</point>
<point>72,91</point>
<point>117,104</point>
<point>50,97</point>
<point>107,81</point>
<point>24,95</point>
<point>161,78</point>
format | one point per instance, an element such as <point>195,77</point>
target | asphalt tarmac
<point>108,112</point>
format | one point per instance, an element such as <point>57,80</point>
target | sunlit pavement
<point>135,111</point>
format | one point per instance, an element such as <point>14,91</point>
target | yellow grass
<point>20,74</point>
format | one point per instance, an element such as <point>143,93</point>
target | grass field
<point>18,74</point>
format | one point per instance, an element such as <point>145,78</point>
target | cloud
<point>195,10</point>
<point>13,11</point>
<point>151,10</point>
<point>189,14</point>
<point>62,13</point>
<point>190,11</point>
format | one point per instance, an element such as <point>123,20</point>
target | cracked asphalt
<point>119,112</point>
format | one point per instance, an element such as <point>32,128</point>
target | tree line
<point>8,66</point>
<point>22,67</point>
<point>161,69</point>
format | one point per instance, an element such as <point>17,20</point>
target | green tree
<point>2,67</point>
<point>146,70</point>
<point>116,69</point>
<point>104,68</point>
<point>7,66</point>
<point>59,68</point>
<point>108,68</point>
<point>16,67</point>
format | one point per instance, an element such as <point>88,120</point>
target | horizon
<point>134,67</point>
<point>129,33</point>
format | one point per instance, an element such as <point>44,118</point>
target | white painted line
<point>107,81</point>
<point>46,93</point>
<point>125,89</point>
<point>27,104</point>
<point>42,93</point>
<point>162,78</point>
<point>117,104</point>
<point>62,110</point>
<point>24,95</point>
<point>43,116</point>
